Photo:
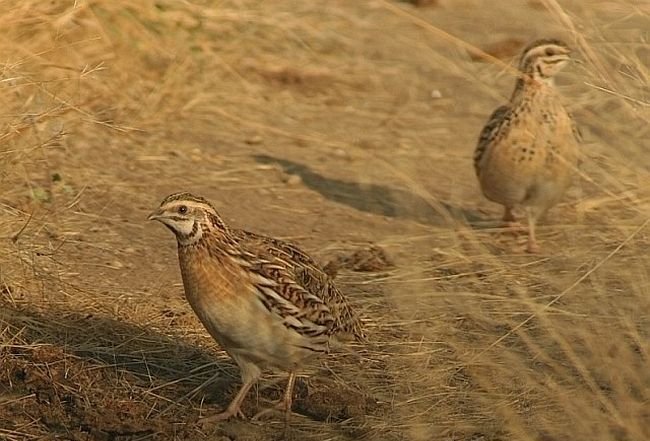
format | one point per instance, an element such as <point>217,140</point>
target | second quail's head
<point>543,59</point>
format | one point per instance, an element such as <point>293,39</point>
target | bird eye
<point>182,209</point>
<point>549,52</point>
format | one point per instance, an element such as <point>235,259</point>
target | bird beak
<point>156,215</point>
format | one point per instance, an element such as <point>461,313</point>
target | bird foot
<point>514,227</point>
<point>533,248</point>
<point>221,416</point>
<point>280,406</point>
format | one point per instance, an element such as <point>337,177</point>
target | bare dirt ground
<point>347,127</point>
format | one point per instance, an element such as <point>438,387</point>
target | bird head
<point>543,59</point>
<point>189,217</point>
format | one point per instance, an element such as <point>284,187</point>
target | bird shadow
<point>153,359</point>
<point>377,199</point>
<point>101,378</point>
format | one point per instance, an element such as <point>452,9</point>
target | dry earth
<point>348,127</point>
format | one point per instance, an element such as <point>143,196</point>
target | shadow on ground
<point>79,375</point>
<point>378,199</point>
<point>142,352</point>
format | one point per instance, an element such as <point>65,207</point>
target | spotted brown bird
<point>528,150</point>
<point>265,301</point>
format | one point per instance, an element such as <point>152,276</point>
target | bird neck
<point>207,235</point>
<point>532,88</point>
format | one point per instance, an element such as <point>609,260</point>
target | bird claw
<point>280,406</point>
<point>261,413</point>
<point>514,227</point>
<point>222,416</point>
<point>533,248</point>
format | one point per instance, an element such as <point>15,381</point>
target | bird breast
<point>222,294</point>
<point>534,145</point>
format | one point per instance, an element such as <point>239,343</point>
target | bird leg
<point>234,408</point>
<point>508,215</point>
<point>510,220</point>
<point>285,402</point>
<point>532,246</point>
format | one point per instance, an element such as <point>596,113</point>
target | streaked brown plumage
<point>528,149</point>
<point>266,302</point>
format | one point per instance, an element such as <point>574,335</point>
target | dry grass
<point>375,106</point>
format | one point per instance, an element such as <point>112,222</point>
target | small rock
<point>293,180</point>
<point>341,153</point>
<point>373,258</point>
<point>253,140</point>
<point>422,3</point>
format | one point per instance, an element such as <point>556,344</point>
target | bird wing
<point>289,253</point>
<point>310,278</point>
<point>489,133</point>
<point>345,318</point>
<point>280,288</point>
